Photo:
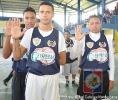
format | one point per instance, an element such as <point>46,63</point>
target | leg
<point>67,81</point>
<point>5,81</point>
<point>9,76</point>
<point>18,86</point>
<point>73,76</point>
<point>73,70</point>
<point>35,87</point>
<point>51,87</point>
<point>66,73</point>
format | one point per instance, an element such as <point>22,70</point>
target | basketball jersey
<point>69,45</point>
<point>43,57</point>
<point>96,54</point>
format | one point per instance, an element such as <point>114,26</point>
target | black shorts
<point>18,86</point>
<point>99,96</point>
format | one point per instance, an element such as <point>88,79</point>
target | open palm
<point>78,35</point>
<point>16,30</point>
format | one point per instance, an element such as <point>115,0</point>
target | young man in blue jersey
<point>7,79</point>
<point>71,65</point>
<point>97,55</point>
<point>19,67</point>
<point>46,52</point>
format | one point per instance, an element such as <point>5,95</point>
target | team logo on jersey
<point>89,44</point>
<point>99,54</point>
<point>36,41</point>
<point>93,81</point>
<point>102,44</point>
<point>51,43</point>
<point>46,55</point>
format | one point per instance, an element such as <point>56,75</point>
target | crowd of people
<point>110,13</point>
<point>106,18</point>
<point>42,49</point>
<point>84,23</point>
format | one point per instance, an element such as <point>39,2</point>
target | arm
<point>18,51</point>
<point>7,47</point>
<point>62,49</point>
<point>77,48</point>
<point>62,57</point>
<point>111,65</point>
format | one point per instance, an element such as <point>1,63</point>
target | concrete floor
<point>66,93</point>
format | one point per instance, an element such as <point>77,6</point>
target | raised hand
<point>78,35</point>
<point>8,27</point>
<point>16,29</point>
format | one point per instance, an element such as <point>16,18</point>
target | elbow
<point>5,55</point>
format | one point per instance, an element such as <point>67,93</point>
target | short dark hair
<point>29,9</point>
<point>67,31</point>
<point>47,3</point>
<point>94,16</point>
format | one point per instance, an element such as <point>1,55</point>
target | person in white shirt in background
<point>94,44</point>
<point>71,65</point>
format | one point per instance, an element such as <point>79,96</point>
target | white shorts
<point>70,68</point>
<point>44,87</point>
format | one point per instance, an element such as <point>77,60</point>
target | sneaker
<point>74,83</point>
<point>5,82</point>
<point>67,84</point>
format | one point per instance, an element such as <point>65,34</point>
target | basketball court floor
<point>66,93</point>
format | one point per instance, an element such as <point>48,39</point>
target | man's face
<point>94,25</point>
<point>29,19</point>
<point>45,14</point>
<point>67,36</point>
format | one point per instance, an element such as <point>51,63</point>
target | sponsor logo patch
<point>99,54</point>
<point>46,55</point>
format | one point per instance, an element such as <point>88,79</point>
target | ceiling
<point>17,6</point>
